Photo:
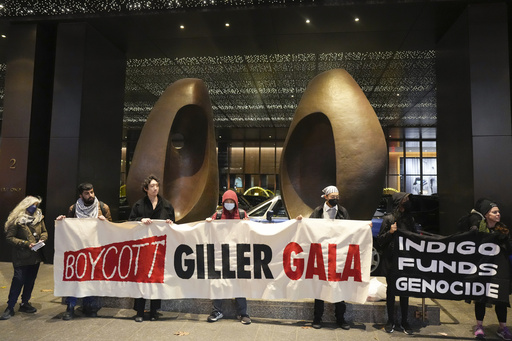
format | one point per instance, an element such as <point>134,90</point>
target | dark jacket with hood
<point>404,221</point>
<point>20,235</point>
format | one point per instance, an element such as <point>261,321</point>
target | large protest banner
<point>312,258</point>
<point>471,265</point>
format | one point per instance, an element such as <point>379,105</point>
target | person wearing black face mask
<point>330,210</point>
<point>400,219</point>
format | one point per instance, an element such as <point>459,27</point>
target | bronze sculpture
<point>177,145</point>
<point>335,138</point>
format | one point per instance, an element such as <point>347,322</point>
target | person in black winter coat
<point>152,206</point>
<point>399,219</point>
<point>330,210</point>
<point>486,218</point>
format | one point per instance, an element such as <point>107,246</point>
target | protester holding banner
<point>86,206</point>
<point>490,223</point>
<point>230,210</point>
<point>330,210</point>
<point>152,206</point>
<point>399,219</point>
<point>26,231</point>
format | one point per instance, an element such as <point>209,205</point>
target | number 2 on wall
<point>12,163</point>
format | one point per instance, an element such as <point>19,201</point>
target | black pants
<point>339,310</point>
<point>500,308</point>
<point>390,305</point>
<point>140,304</point>
<point>24,278</point>
<point>241,306</point>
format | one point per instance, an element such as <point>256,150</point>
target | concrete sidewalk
<point>457,321</point>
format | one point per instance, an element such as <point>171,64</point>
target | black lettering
<point>242,261</point>
<point>226,272</point>
<point>188,263</point>
<point>262,256</point>
<point>200,260</point>
<point>212,273</point>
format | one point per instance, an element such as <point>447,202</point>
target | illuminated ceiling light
<point>1,6</point>
<point>182,27</point>
<point>356,19</point>
<point>227,24</point>
<point>308,21</point>
<point>398,94</point>
<point>293,96</point>
<point>3,36</point>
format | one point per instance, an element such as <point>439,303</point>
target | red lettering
<point>316,265</point>
<point>141,261</point>
<point>298,263</point>
<point>353,257</point>
<point>332,275</point>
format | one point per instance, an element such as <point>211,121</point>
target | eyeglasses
<point>333,197</point>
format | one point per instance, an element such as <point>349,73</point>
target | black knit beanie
<point>484,205</point>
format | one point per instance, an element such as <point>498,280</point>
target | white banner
<point>312,258</point>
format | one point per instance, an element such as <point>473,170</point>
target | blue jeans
<point>90,304</point>
<point>24,278</point>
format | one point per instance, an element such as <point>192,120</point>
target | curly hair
<point>20,210</point>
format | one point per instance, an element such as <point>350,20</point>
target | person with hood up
<point>229,210</point>
<point>400,219</point>
<point>26,232</point>
<point>485,217</point>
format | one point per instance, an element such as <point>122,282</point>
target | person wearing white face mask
<point>230,210</point>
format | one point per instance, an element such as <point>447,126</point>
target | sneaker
<point>7,314</point>
<point>69,314</point>
<point>215,316</point>
<point>504,333</point>
<point>139,318</point>
<point>317,324</point>
<point>343,324</point>
<point>153,316</point>
<point>406,328</point>
<point>27,308</point>
<point>390,327</point>
<point>479,332</point>
<point>245,319</point>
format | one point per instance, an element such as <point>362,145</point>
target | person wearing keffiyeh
<point>87,206</point>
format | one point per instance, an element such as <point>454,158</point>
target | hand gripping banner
<point>471,265</point>
<point>312,258</point>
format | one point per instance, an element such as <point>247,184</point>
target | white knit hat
<point>328,190</point>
